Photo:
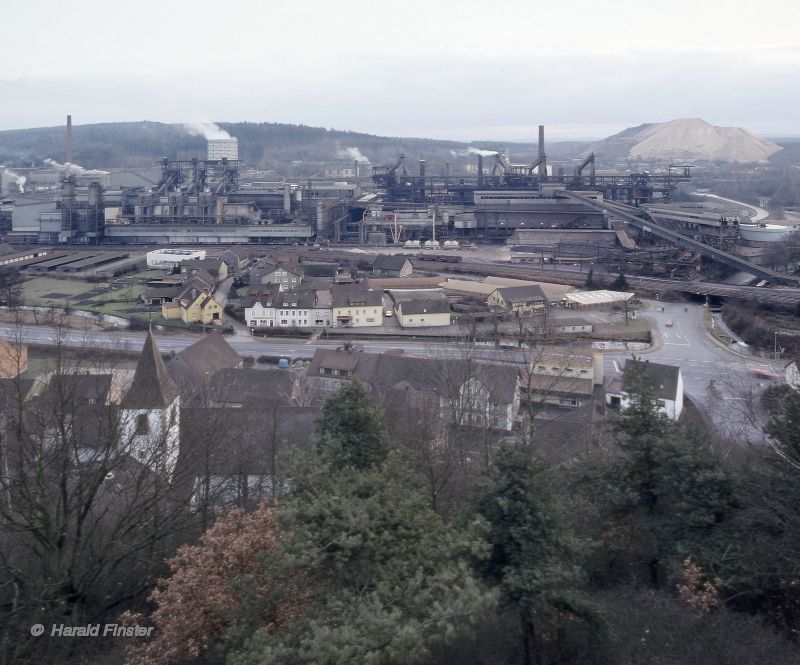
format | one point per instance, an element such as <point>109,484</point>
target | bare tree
<point>89,507</point>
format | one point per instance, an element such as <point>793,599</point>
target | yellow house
<point>199,307</point>
<point>171,310</point>
<point>356,306</point>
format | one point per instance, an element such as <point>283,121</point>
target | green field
<point>50,292</point>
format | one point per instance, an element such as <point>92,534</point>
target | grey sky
<point>463,70</point>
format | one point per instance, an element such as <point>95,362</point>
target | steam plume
<point>353,154</point>
<point>75,169</point>
<point>473,151</point>
<point>20,179</point>
<point>208,130</point>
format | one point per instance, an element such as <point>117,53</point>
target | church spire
<point>152,387</point>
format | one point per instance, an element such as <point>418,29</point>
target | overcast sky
<point>463,70</point>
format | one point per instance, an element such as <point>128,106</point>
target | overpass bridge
<point>643,220</point>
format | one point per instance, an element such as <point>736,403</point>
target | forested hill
<point>260,144</point>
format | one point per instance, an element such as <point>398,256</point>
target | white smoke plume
<point>353,154</point>
<point>482,153</point>
<point>74,169</point>
<point>206,129</point>
<point>20,179</point>
<point>473,151</point>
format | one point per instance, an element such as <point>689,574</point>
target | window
<point>142,425</point>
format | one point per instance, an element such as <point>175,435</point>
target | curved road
<point>759,214</point>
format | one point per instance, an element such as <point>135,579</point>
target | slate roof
<point>329,270</point>
<point>196,364</point>
<point>662,379</point>
<point>161,292</point>
<point>393,262</point>
<point>152,387</point>
<point>210,265</point>
<point>442,377</point>
<point>424,307</point>
<point>266,294</point>
<point>522,294</point>
<point>347,295</point>
<point>296,299</point>
<point>251,387</point>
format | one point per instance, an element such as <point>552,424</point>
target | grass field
<point>51,292</point>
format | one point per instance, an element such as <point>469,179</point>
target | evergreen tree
<point>536,562</point>
<point>351,430</point>
<point>620,283</point>
<point>386,580</point>
<point>590,280</point>
<point>669,495</point>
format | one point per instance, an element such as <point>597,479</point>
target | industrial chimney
<point>69,140</point>
<point>480,169</point>
<point>542,155</point>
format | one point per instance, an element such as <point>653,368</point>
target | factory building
<point>219,149</point>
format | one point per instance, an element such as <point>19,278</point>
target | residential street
<point>716,379</point>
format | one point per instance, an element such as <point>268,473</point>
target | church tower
<point>150,413</point>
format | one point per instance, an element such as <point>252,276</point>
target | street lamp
<point>775,348</point>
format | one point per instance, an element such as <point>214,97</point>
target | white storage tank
<point>763,232</point>
<point>451,244</point>
<point>431,244</point>
<point>411,243</point>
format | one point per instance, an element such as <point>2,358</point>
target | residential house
<point>521,300</point>
<point>193,306</point>
<point>286,276</point>
<point>356,306</point>
<point>235,258</point>
<point>272,306</point>
<point>665,382</point>
<point>392,265</point>
<point>561,377</point>
<point>200,308</point>
<point>159,295</point>
<point>217,268</point>
<point>469,394</point>
<point>423,313</point>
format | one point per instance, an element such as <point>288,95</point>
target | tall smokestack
<point>542,155</point>
<point>69,139</point>
<point>480,169</point>
<point>287,200</point>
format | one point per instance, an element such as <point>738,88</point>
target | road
<point>719,381</point>
<point>759,214</point>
